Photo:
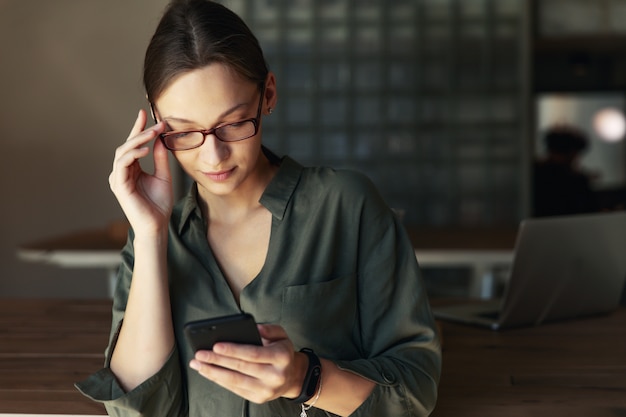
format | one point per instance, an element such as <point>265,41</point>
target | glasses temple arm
<point>153,113</point>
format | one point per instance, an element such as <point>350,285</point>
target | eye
<point>177,135</point>
<point>229,126</point>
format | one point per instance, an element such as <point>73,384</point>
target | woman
<point>313,254</point>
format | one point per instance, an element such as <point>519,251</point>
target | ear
<point>271,97</point>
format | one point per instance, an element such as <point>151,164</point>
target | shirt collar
<point>189,206</point>
<point>280,190</point>
<point>275,198</point>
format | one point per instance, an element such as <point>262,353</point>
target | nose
<point>214,151</point>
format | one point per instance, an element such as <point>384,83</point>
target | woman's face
<point>211,97</point>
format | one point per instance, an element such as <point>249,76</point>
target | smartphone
<point>236,328</point>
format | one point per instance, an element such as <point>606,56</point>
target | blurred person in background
<point>560,185</point>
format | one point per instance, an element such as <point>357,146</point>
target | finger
<point>124,166</point>
<point>245,386</point>
<point>161,161</point>
<point>130,157</point>
<point>143,137</point>
<point>272,332</point>
<point>124,160</point>
<point>236,351</point>
<point>137,141</point>
<point>140,124</point>
<point>231,363</point>
<point>228,372</point>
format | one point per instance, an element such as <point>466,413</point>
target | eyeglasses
<point>232,132</point>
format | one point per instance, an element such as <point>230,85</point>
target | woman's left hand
<point>256,373</point>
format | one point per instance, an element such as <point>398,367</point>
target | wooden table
<point>46,346</point>
<point>574,368</point>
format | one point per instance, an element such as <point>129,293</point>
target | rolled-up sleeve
<point>159,395</point>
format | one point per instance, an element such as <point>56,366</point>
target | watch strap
<point>311,378</point>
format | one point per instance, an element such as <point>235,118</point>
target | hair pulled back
<point>195,33</point>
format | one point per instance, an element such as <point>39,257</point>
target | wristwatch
<point>311,379</point>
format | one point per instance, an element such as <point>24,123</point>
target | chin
<point>219,189</point>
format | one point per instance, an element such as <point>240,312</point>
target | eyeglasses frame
<point>211,131</point>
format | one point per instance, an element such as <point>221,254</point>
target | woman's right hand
<point>147,199</point>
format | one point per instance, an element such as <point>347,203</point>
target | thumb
<point>161,161</point>
<point>272,332</point>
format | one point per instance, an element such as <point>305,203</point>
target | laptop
<point>563,268</point>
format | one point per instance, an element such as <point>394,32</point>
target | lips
<point>219,176</point>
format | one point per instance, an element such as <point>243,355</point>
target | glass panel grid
<point>423,96</point>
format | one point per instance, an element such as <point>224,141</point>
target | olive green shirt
<point>340,277</point>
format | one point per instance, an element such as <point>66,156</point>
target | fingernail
<point>193,364</point>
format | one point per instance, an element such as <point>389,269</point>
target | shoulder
<point>340,182</point>
<point>348,191</point>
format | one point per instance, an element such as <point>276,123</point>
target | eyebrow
<point>220,117</point>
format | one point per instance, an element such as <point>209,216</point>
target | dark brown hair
<point>195,33</point>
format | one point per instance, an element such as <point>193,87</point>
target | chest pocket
<point>323,316</point>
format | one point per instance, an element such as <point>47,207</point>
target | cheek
<point>183,160</point>
<point>253,147</point>
<point>245,152</point>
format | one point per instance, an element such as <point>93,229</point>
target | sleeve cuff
<point>160,392</point>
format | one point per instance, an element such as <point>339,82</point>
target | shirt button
<point>388,377</point>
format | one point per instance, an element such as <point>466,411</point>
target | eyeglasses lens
<point>179,141</point>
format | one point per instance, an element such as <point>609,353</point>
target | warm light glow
<point>610,124</point>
